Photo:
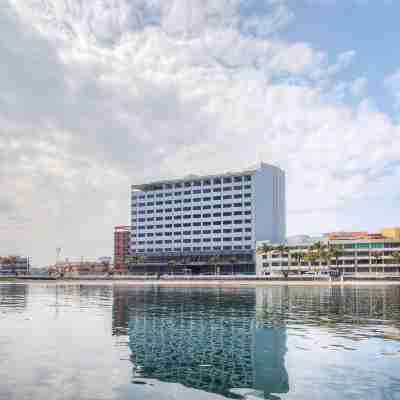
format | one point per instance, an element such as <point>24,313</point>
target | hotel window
<point>237,239</point>
<point>160,195</point>
<point>159,241</point>
<point>141,235</point>
<point>217,223</point>
<point>141,243</point>
<point>168,186</point>
<point>150,196</point>
<point>197,216</point>
<point>168,241</point>
<point>206,182</point>
<point>168,233</point>
<point>206,223</point>
<point>168,226</point>
<point>217,181</point>
<point>247,204</point>
<point>227,188</point>
<point>227,239</point>
<point>206,240</point>
<point>187,192</point>
<point>238,221</point>
<point>227,222</point>
<point>227,247</point>
<point>238,196</point>
<point>216,239</point>
<point>160,210</point>
<point>186,232</point>
<point>227,206</point>
<point>150,227</point>
<point>247,221</point>
<point>142,212</point>
<point>216,248</point>
<point>168,217</point>
<point>206,190</point>
<point>227,180</point>
<point>197,208</point>
<point>237,247</point>
<point>217,206</point>
<point>187,200</point>
<point>149,242</point>
<point>168,249</point>
<point>247,230</point>
<point>196,240</point>
<point>196,223</point>
<point>178,185</point>
<point>177,225</point>
<point>247,212</point>
<point>177,201</point>
<point>227,196</point>
<point>187,240</point>
<point>186,224</point>
<point>206,215</point>
<point>247,178</point>
<point>217,214</point>
<point>206,232</point>
<point>177,193</point>
<point>186,249</point>
<point>188,184</point>
<point>141,227</point>
<point>238,230</point>
<point>227,230</point>
<point>196,200</point>
<point>237,179</point>
<point>206,207</point>
<point>142,204</point>
<point>206,198</point>
<point>247,238</point>
<point>217,231</point>
<point>217,198</point>
<point>142,219</point>
<point>217,189</point>
<point>196,232</point>
<point>177,217</point>
<point>238,213</point>
<point>197,191</point>
<point>159,203</point>
<point>177,249</point>
<point>177,209</point>
<point>177,241</point>
<point>159,218</point>
<point>187,208</point>
<point>227,214</point>
<point>150,234</point>
<point>168,202</point>
<point>187,216</point>
<point>197,183</point>
<point>168,195</point>
<point>177,233</point>
<point>247,195</point>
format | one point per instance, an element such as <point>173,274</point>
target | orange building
<point>122,236</point>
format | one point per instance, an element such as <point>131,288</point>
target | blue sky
<point>99,95</point>
<point>370,28</point>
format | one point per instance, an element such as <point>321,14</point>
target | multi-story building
<point>122,236</point>
<point>357,253</point>
<point>216,215</point>
<point>14,265</point>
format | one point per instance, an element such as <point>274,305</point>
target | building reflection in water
<point>207,339</point>
<point>13,297</point>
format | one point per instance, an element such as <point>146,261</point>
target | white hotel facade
<point>209,215</point>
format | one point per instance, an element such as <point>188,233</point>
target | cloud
<point>99,95</point>
<point>392,84</point>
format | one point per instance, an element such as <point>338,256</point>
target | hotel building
<point>220,214</point>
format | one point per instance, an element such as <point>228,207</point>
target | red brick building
<point>122,236</point>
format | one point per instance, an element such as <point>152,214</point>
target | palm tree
<point>215,261</point>
<point>136,259</point>
<point>265,250</point>
<point>319,248</point>
<point>298,257</point>
<point>282,250</point>
<point>172,264</point>
<point>311,257</point>
<point>233,261</point>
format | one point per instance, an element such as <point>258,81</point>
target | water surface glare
<point>119,342</point>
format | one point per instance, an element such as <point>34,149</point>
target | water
<point>77,341</point>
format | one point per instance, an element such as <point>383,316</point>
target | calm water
<point>121,342</point>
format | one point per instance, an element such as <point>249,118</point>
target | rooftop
<point>249,171</point>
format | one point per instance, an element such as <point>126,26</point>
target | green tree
<point>215,261</point>
<point>265,250</point>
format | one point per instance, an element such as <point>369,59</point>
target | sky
<point>98,95</point>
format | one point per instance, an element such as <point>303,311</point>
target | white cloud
<point>392,83</point>
<point>109,93</point>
